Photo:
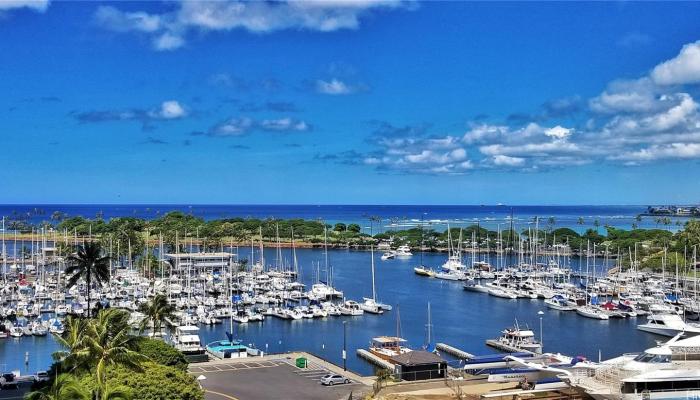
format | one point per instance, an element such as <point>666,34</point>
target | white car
<point>333,379</point>
<point>41,376</point>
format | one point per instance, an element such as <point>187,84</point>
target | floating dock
<point>461,354</point>
<point>380,362</point>
<point>505,347</point>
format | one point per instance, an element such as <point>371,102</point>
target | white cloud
<point>333,87</point>
<point>232,127</point>
<point>245,125</point>
<point>558,132</point>
<point>638,95</point>
<point>171,28</point>
<point>284,124</point>
<point>36,5</point>
<point>508,161</point>
<point>168,41</point>
<point>170,109</point>
<point>660,152</point>
<point>113,19</point>
<point>680,70</point>
<point>632,122</point>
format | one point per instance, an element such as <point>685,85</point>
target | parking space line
<point>221,394</point>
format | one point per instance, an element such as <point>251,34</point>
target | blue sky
<point>350,102</point>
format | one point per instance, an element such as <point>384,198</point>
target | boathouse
<point>419,365</point>
<point>197,262</point>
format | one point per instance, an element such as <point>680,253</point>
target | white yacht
<point>403,251</point>
<point>473,285</point>
<point>450,275</point>
<point>324,291</point>
<point>516,339</point>
<point>559,303</point>
<point>388,255</point>
<point>371,306</point>
<point>668,325</point>
<point>662,385</point>
<point>668,371</point>
<point>502,292</point>
<point>186,339</point>
<point>351,307</point>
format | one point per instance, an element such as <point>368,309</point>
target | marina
<point>398,285</point>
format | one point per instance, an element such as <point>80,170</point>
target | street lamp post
<point>541,313</point>
<point>344,345</point>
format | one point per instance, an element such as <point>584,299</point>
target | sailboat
<point>422,270</point>
<point>325,290</point>
<point>370,305</point>
<point>589,310</point>
<point>453,268</point>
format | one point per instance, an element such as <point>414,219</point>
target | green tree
<point>90,265</point>
<point>339,227</point>
<point>72,342</point>
<point>354,228</point>
<point>153,382</point>
<point>157,312</point>
<point>109,344</point>
<point>161,353</point>
<point>63,387</point>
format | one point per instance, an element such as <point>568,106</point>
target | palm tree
<point>72,342</point>
<point>116,392</point>
<point>64,387</point>
<point>88,263</point>
<point>108,340</point>
<point>156,311</point>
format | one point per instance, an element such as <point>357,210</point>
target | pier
<point>380,362</point>
<point>453,351</point>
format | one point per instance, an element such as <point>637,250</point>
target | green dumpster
<point>301,362</point>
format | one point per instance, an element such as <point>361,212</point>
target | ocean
<point>393,216</point>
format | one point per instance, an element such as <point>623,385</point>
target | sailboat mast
<point>374,291</point>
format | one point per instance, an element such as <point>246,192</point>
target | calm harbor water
<point>462,319</point>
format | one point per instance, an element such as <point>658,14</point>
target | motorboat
<point>668,325</point>
<point>388,255</point>
<point>351,308</point>
<point>473,285</point>
<point>516,340</point>
<point>424,271</point>
<point>371,306</point>
<point>386,347</point>
<point>667,371</point>
<point>403,251</point>
<point>450,275</point>
<point>559,303</point>
<point>186,339</point>
<point>16,331</point>
<point>502,292</point>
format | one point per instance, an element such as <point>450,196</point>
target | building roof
<point>199,255</point>
<point>417,357</point>
<point>388,339</point>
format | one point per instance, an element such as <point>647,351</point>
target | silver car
<point>333,379</point>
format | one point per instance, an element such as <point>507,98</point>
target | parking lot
<point>270,379</point>
<point>15,394</point>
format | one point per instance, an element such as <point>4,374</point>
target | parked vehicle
<point>334,379</point>
<point>8,381</point>
<point>41,376</point>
